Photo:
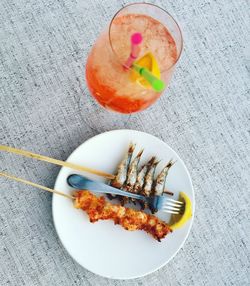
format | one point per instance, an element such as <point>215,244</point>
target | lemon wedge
<point>147,61</point>
<point>179,220</point>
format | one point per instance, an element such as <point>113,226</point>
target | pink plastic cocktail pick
<point>135,39</point>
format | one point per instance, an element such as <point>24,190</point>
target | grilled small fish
<point>148,182</point>
<point>149,178</point>
<point>122,169</point>
<point>132,173</point>
<point>159,183</point>
<point>141,176</point>
<point>131,177</point>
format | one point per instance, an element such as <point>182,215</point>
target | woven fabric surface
<point>204,116</point>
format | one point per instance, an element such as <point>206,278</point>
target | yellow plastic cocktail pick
<point>149,62</point>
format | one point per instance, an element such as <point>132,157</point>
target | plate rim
<point>191,221</point>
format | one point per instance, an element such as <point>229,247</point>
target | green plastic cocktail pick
<point>156,83</point>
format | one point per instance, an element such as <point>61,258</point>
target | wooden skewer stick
<point>55,161</point>
<point>168,192</point>
<point>35,185</point>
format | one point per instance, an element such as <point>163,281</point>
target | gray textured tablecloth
<point>204,116</point>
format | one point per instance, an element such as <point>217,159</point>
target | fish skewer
<point>129,179</point>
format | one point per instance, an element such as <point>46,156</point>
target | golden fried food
<point>130,219</point>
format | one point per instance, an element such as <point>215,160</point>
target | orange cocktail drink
<point>119,89</point>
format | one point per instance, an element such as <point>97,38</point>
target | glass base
<point>98,118</point>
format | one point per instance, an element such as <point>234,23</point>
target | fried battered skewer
<point>98,208</point>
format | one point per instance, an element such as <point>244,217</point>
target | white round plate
<point>102,247</point>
